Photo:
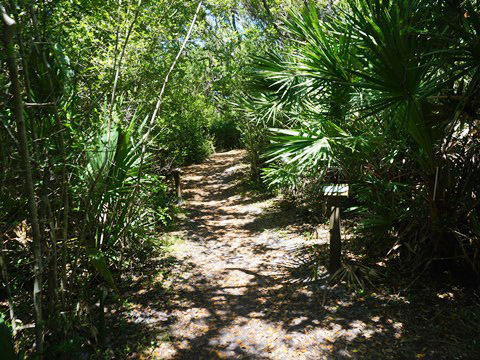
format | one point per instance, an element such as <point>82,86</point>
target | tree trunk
<point>9,26</point>
<point>269,13</point>
<point>52,264</point>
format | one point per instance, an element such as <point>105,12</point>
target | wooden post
<point>178,187</point>
<point>335,237</point>
<point>334,193</point>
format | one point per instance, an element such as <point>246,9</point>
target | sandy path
<point>232,288</point>
<point>237,301</point>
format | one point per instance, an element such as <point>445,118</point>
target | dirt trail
<point>238,300</point>
<point>234,287</point>
<point>238,247</point>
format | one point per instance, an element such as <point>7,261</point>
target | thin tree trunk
<point>26,75</point>
<point>234,21</point>
<point>165,81</point>
<point>159,101</point>
<point>63,180</point>
<point>162,90</point>
<point>117,37</point>
<point>53,263</point>
<point>267,9</point>
<point>119,65</point>
<point>42,221</point>
<point>9,26</point>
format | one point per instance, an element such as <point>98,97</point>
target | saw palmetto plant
<point>388,92</point>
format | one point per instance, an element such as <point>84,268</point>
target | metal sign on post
<point>334,193</point>
<point>335,190</point>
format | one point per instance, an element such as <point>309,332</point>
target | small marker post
<point>178,186</point>
<point>334,193</point>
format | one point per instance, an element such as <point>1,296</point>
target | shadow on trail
<point>351,327</point>
<point>252,297</point>
<point>222,199</point>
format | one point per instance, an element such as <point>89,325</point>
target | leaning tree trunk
<point>8,31</point>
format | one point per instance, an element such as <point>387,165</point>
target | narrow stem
<point>9,27</point>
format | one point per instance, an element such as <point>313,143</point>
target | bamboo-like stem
<point>26,75</point>
<point>53,263</point>
<point>9,27</point>
<point>42,220</point>
<point>26,78</point>
<point>117,37</point>
<point>63,180</point>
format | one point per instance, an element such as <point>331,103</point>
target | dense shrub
<point>225,132</point>
<point>384,92</point>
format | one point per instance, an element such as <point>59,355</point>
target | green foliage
<point>6,342</point>
<point>91,74</point>
<point>225,133</point>
<point>188,126</point>
<point>380,91</point>
<point>160,202</point>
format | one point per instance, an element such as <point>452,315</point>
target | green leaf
<point>100,263</point>
<point>7,348</point>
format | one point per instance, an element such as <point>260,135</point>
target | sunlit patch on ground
<point>243,287</point>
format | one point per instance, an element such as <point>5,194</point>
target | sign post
<point>334,193</point>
